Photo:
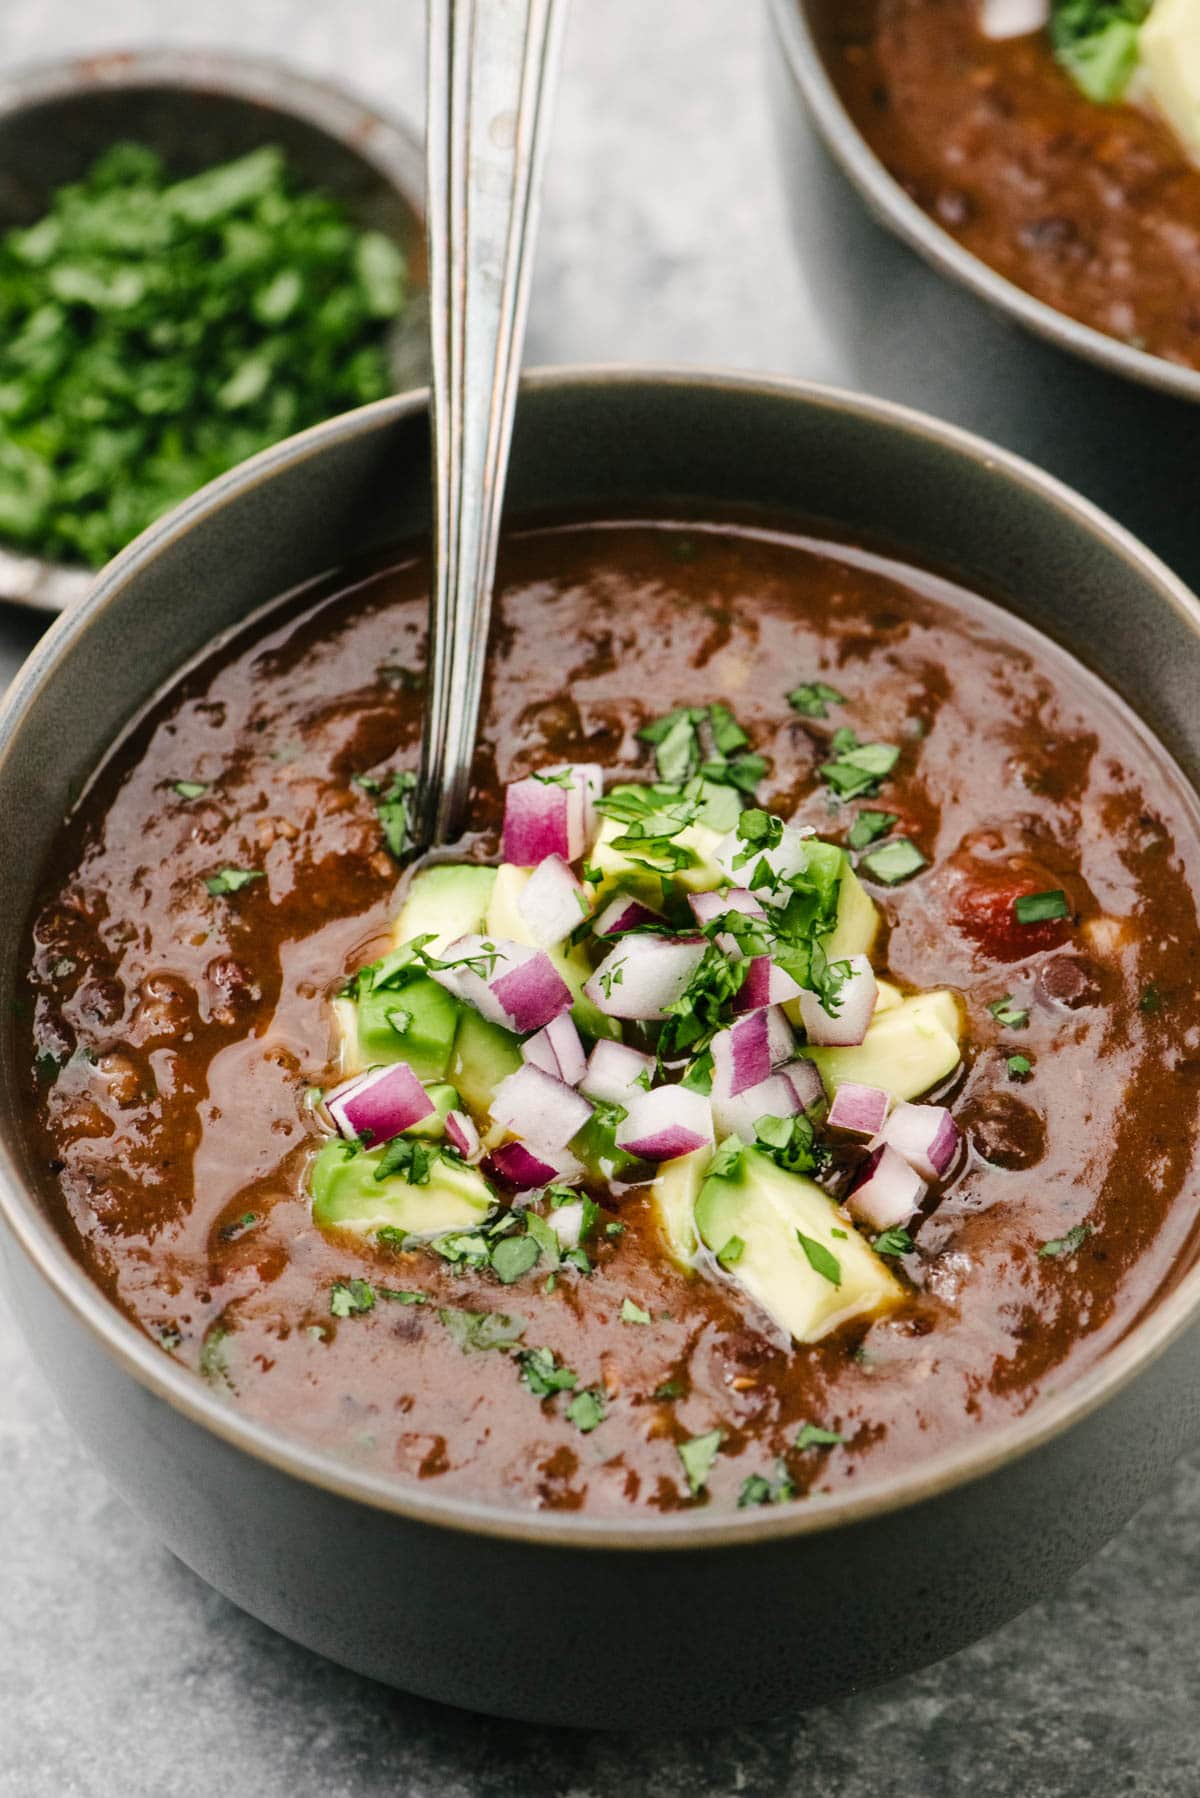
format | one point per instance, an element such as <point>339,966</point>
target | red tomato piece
<point>985,911</point>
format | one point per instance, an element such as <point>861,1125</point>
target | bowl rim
<point>892,206</point>
<point>385,143</point>
<point>1151,1333</point>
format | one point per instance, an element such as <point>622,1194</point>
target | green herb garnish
<point>1065,1245</point>
<point>893,862</point>
<point>514,1256</point>
<point>586,1410</point>
<point>1150,1002</point>
<point>813,698</point>
<point>858,768</point>
<point>158,331</point>
<point>350,1298</point>
<point>698,1455</point>
<point>409,1156</point>
<point>392,802</point>
<point>868,826</point>
<point>895,1241</point>
<point>232,880</point>
<point>475,1331</point>
<point>543,1373</point>
<point>820,1259</point>
<point>759,1490</point>
<point>1010,1016</point>
<point>632,1313</point>
<point>1096,42</point>
<point>1019,1067</point>
<point>190,789</point>
<point>813,1436</point>
<point>1035,908</point>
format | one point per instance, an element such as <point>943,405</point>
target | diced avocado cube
<point>857,923</point>
<point>907,1049</point>
<point>444,902</point>
<point>445,1098</point>
<point>1169,44</point>
<point>673,1198</point>
<point>504,920</point>
<point>415,1022</point>
<point>347,1196</point>
<point>484,1055</point>
<point>617,869</point>
<point>752,1218</point>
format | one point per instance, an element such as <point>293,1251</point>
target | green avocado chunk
<point>445,902</point>
<point>484,1055</point>
<point>773,1233</point>
<point>415,1023</point>
<point>445,1098</point>
<point>347,1196</point>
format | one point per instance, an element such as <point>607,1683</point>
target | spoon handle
<point>491,72</point>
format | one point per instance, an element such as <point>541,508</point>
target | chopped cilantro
<point>813,698</point>
<point>1019,1067</point>
<point>1010,1016</point>
<point>586,1409</point>
<point>614,1228</point>
<point>632,1313</point>
<point>1096,42</point>
<point>813,1436</point>
<point>698,1454</point>
<point>1151,1000</point>
<point>893,862</point>
<point>1065,1245</point>
<point>699,1075</point>
<point>792,1143</point>
<point>392,802</point>
<point>1035,908</point>
<point>350,1298</point>
<point>692,1020</point>
<point>409,1156</point>
<point>543,1373</point>
<point>190,789</point>
<point>65,967</point>
<point>858,768</point>
<point>670,1389</point>
<point>895,1241</point>
<point>397,1295</point>
<point>514,1256</point>
<point>679,751</point>
<point>545,1238</point>
<point>869,825</point>
<point>388,1237</point>
<point>232,880</point>
<point>578,1259</point>
<point>759,1490</point>
<point>820,1259</point>
<point>214,1355</point>
<point>474,1331</point>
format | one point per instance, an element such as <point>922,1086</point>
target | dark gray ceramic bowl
<point>197,108</point>
<point>688,1621</point>
<point>915,316</point>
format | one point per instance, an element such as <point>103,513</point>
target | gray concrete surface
<point>121,1676</point>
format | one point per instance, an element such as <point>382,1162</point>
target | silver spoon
<point>491,69</point>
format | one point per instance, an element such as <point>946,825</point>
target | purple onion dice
<point>665,1123</point>
<point>643,975</point>
<point>925,1135</point>
<point>545,1113</point>
<point>615,1071</point>
<point>519,1168</point>
<point>380,1104</point>
<point>859,1110</point>
<point>765,984</point>
<point>462,1135</point>
<point>886,1191</point>
<point>624,913</point>
<point>552,902</point>
<point>855,1003</point>
<point>557,1050</point>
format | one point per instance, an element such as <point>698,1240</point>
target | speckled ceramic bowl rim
<point>182,1389</point>
<point>889,202</point>
<point>342,116</point>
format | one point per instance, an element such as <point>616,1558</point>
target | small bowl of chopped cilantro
<point>200,254</point>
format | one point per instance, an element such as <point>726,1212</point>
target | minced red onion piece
<point>856,1000</point>
<point>551,902</point>
<point>925,1135</point>
<point>558,1050</point>
<point>542,1111</point>
<point>707,906</point>
<point>495,955</point>
<point>380,1104</point>
<point>859,1110</point>
<point>537,821</point>
<point>643,975</point>
<point>587,784</point>
<point>462,1135</point>
<point>670,1121</point>
<point>805,1082</point>
<point>742,1054</point>
<point>624,913</point>
<point>781,1041</point>
<point>533,994</point>
<point>614,1071</point>
<point>518,1167</point>
<point>739,1112</point>
<point>765,984</point>
<point>886,1190</point>
<point>1013,18</point>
